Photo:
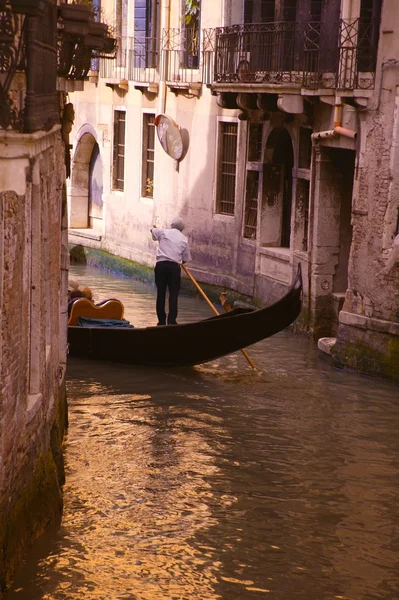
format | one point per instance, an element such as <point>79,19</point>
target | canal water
<point>217,482</point>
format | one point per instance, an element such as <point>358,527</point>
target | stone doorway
<point>277,189</point>
<point>332,238</point>
<point>86,205</point>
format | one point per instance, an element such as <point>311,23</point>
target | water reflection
<point>218,482</point>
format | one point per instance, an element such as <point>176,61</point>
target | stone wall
<point>32,323</point>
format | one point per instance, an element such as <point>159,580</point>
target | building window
<point>147,173</point>
<point>252,181</point>
<point>255,142</point>
<point>302,201</point>
<point>227,166</point>
<point>118,171</point>
<point>191,19</point>
<point>251,205</point>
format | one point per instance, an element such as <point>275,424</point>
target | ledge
<point>26,145</point>
<point>363,322</point>
<point>178,87</point>
<point>152,88</point>
<point>238,86</point>
<point>282,254</point>
<point>89,234</point>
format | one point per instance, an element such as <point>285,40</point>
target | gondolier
<point>172,251</point>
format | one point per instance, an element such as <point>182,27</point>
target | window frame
<point>115,155</point>
<point>219,145</point>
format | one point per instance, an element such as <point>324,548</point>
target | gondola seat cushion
<point>108,309</point>
<point>85,322</point>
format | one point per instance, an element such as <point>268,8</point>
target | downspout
<point>165,25</point>
<point>315,137</point>
<point>338,129</point>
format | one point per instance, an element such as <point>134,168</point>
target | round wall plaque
<point>169,136</point>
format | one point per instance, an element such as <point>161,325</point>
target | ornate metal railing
<point>313,54</point>
<point>208,55</point>
<point>28,66</point>
<point>182,57</point>
<point>143,60</point>
<point>357,54</point>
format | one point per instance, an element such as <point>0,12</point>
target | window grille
<point>251,205</point>
<point>147,174</point>
<point>255,142</point>
<point>227,167</point>
<point>118,179</point>
<point>302,196</point>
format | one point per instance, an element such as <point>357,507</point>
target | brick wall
<point>32,406</point>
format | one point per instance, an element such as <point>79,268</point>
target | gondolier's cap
<point>177,224</point>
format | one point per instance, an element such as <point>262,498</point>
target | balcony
<point>136,61</point>
<point>144,62</point>
<point>28,66</point>
<point>182,59</point>
<point>312,55</point>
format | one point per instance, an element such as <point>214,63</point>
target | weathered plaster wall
<point>368,335</point>
<point>32,339</point>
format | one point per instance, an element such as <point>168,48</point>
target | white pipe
<point>165,26</point>
<point>320,135</point>
<point>332,133</point>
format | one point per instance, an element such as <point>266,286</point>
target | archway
<point>87,184</point>
<point>277,189</point>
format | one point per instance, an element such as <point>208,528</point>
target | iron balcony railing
<point>137,59</point>
<point>182,56</point>
<point>144,59</point>
<point>314,54</point>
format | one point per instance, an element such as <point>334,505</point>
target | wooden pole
<point>201,291</point>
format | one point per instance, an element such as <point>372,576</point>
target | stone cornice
<point>15,145</point>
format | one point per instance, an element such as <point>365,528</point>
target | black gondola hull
<point>188,344</point>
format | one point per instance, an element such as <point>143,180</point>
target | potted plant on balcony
<point>81,11</point>
<point>109,46</point>
<point>191,18</point>
<point>28,7</point>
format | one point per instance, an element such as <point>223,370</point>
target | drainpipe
<point>165,25</point>
<point>319,135</point>
<point>338,129</point>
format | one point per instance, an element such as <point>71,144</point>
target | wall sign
<point>169,136</point>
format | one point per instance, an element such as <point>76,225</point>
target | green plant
<point>192,11</point>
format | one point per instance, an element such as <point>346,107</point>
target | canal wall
<point>80,254</point>
<point>33,330</point>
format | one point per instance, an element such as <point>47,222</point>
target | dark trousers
<point>167,276</point>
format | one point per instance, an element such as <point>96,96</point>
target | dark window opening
<point>302,198</point>
<point>191,24</point>
<point>118,171</point>
<point>227,165</point>
<point>369,26</point>
<point>148,149</point>
<point>255,142</point>
<point>251,205</point>
<point>289,10</point>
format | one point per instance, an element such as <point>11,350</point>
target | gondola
<point>187,344</point>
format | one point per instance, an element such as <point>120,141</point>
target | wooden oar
<point>201,291</point>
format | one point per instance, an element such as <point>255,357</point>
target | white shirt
<point>173,245</point>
